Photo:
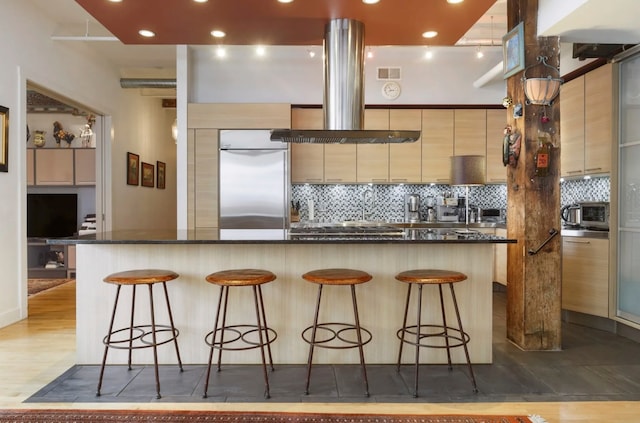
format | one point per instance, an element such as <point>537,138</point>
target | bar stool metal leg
<point>418,330</point>
<point>213,339</point>
<point>403,331</point>
<point>173,326</point>
<point>155,342</point>
<point>464,341</point>
<point>108,340</point>
<point>444,327</point>
<point>359,335</point>
<point>260,330</point>
<point>265,326</point>
<point>313,339</point>
<point>133,309</point>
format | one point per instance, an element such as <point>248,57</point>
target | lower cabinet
<point>585,275</point>
<point>50,261</point>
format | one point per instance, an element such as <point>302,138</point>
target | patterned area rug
<point>165,416</point>
<point>35,286</point>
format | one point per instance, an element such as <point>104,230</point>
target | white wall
<point>288,75</point>
<point>75,71</point>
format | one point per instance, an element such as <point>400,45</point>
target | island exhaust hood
<point>344,94</point>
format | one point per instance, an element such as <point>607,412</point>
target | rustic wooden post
<point>533,211</point>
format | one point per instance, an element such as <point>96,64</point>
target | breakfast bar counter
<point>289,301</point>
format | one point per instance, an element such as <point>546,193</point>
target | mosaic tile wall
<point>335,203</point>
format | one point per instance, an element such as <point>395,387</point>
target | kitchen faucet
<point>367,195</point>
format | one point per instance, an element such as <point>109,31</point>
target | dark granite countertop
<point>268,236</point>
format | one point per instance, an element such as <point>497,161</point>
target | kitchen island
<point>289,300</point>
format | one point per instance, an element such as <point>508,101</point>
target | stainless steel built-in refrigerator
<point>254,182</point>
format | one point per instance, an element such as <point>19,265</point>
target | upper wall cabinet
<point>372,160</point>
<point>61,166</point>
<point>586,123</point>
<point>437,145</point>
<point>307,160</point>
<point>405,164</point>
<point>54,166</point>
<point>470,132</point>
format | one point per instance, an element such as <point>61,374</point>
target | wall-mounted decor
<point>148,175</point>
<point>133,166</point>
<point>161,168</point>
<point>4,139</point>
<point>513,51</point>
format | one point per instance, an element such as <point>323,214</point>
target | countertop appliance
<point>253,181</point>
<point>587,215</point>
<point>412,208</point>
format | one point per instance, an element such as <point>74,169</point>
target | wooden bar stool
<point>337,332</point>
<point>138,335</point>
<point>240,333</point>
<point>453,337</point>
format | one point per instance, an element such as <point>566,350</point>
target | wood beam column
<point>533,210</point>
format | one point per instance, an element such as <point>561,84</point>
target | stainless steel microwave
<point>594,214</point>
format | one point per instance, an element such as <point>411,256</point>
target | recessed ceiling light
<point>200,1</point>
<point>217,33</point>
<point>429,34</point>
<point>370,1</point>
<point>285,1</point>
<point>115,1</point>
<point>454,1</point>
<point>147,33</point>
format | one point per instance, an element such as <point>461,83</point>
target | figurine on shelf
<point>38,138</point>
<point>510,146</point>
<point>87,132</point>
<point>61,135</point>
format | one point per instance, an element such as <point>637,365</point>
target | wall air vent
<point>385,74</point>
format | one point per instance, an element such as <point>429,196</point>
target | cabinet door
<point>598,116</point>
<point>30,166</point>
<point>437,145</point>
<point>85,166</point>
<point>405,160</point>
<point>470,132</point>
<point>307,160</point>
<point>585,275</point>
<point>500,259</point>
<point>496,121</point>
<point>372,160</point>
<point>206,175</point>
<point>572,128</point>
<point>54,166</point>
<point>340,163</point>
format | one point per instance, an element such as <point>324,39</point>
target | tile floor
<point>593,365</point>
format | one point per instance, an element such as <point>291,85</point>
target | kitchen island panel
<point>289,300</point>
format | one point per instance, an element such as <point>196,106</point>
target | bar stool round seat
<point>243,336</point>
<point>139,336</point>
<point>422,335</point>
<point>336,335</point>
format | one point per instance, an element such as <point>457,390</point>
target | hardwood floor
<point>36,350</point>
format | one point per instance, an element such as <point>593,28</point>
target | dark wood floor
<point>594,365</point>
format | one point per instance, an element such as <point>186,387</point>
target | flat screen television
<point>52,215</point>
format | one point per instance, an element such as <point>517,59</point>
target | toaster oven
<point>594,215</point>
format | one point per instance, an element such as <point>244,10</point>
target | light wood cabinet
<point>307,160</point>
<point>85,166</point>
<point>585,275</point>
<point>586,123</point>
<point>598,115</point>
<point>372,160</point>
<point>496,170</point>
<point>437,145</point>
<point>405,160</point>
<point>470,132</point>
<point>30,166</point>
<point>54,166</point>
<point>500,259</point>
<point>206,175</point>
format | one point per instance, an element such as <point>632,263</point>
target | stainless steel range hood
<point>344,94</point>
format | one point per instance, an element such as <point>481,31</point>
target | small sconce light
<point>542,90</point>
<point>174,130</point>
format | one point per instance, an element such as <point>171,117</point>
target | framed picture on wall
<point>147,175</point>
<point>513,51</point>
<point>160,169</point>
<point>133,169</point>
<point>4,139</point>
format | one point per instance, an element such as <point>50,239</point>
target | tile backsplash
<point>334,203</point>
